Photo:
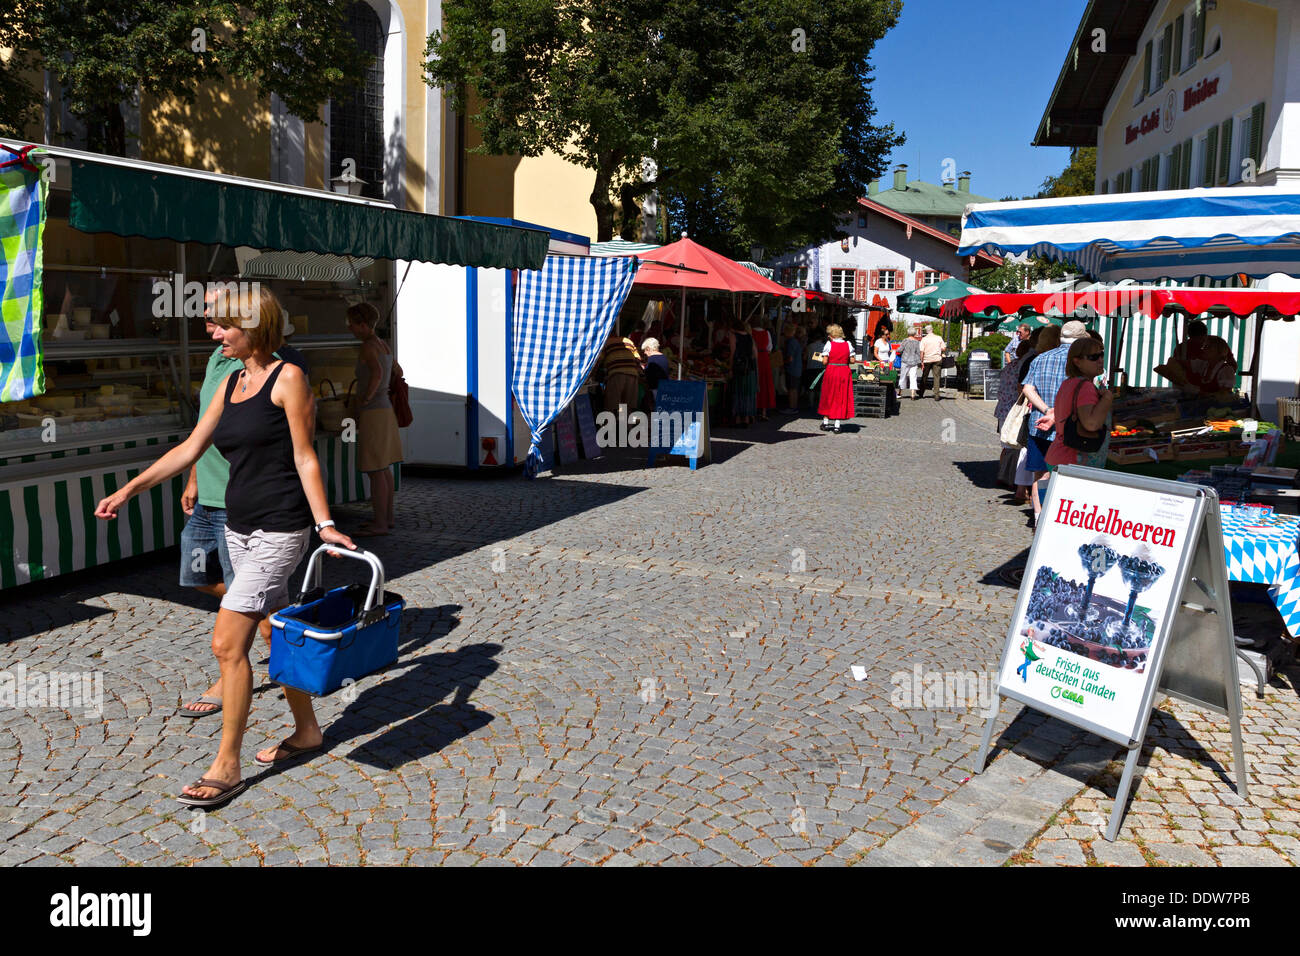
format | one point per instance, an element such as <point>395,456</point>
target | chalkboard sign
<point>565,438</point>
<point>992,384</point>
<point>587,426</point>
<point>979,364</point>
<point>680,422</point>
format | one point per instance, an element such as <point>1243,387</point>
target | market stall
<point>128,251</point>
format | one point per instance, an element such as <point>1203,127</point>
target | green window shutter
<point>1185,174</point>
<point>1166,48</point>
<point>1225,151</point>
<point>1257,135</point>
<point>1175,164</point>
<point>1178,45</point>
<point>1211,156</point>
<point>1105,186</point>
<point>1195,48</point>
<point>1146,69</point>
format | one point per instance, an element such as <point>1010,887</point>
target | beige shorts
<point>262,562</point>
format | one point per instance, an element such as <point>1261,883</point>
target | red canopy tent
<point>666,267</point>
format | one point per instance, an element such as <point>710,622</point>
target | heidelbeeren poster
<point>1099,590</point>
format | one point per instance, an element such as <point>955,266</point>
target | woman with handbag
<point>379,445</point>
<point>1009,397</point>
<point>1081,407</point>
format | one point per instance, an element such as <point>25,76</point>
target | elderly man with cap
<point>1046,375</point>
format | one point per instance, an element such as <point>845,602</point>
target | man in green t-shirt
<point>205,562</point>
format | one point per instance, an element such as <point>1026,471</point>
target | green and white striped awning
<point>621,247</point>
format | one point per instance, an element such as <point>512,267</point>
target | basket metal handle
<point>313,577</point>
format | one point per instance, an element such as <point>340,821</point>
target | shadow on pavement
<point>416,729</point>
<point>981,474</point>
<point>1010,573</point>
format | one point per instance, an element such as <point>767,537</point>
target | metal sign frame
<point>1195,641</point>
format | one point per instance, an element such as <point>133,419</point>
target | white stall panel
<point>431,345</point>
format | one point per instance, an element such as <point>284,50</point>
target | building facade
<point>1182,93</point>
<point>885,253</point>
<point>396,134</point>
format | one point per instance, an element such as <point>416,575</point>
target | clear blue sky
<point>970,81</point>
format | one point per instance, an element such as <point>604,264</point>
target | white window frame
<point>846,292</point>
<point>1201,143</point>
<point>925,276</point>
<point>887,275</point>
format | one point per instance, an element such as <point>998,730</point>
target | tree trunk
<point>600,201</point>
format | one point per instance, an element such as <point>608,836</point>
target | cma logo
<point>1061,693</point>
<point>76,909</point>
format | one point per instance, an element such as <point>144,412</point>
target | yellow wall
<point>551,191</point>
<point>1245,58</point>
<point>225,130</point>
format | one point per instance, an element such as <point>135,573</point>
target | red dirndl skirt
<point>837,393</point>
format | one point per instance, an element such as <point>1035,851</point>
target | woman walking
<point>1008,395</point>
<point>837,382</point>
<point>379,446</point>
<point>261,421</point>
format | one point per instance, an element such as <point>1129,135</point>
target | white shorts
<point>262,562</point>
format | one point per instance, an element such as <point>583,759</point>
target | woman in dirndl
<point>837,381</point>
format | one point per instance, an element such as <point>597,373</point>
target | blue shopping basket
<point>330,637</point>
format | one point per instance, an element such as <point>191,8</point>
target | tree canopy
<point>756,114</point>
<point>101,51</point>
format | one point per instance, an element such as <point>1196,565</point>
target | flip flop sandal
<point>291,752</point>
<point>187,710</point>
<point>225,793</point>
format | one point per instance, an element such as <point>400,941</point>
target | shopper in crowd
<point>1080,397</point>
<point>932,348</point>
<point>1023,332</point>
<point>1046,375</point>
<point>910,357</point>
<point>205,561</point>
<point>261,420</point>
<point>792,354</point>
<point>836,403</point>
<point>883,350</point>
<point>1008,395</point>
<point>656,368</point>
<point>765,398</point>
<point>744,375</point>
<point>379,444</point>
<point>621,363</point>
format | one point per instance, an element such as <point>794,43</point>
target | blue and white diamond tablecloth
<point>1266,555</point>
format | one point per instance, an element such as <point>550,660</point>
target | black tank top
<point>264,492</point>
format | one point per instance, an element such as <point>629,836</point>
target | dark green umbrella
<point>928,300</point>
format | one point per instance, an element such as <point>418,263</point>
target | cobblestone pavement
<point>1185,810</point>
<point>614,665</point>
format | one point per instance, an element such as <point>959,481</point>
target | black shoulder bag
<point>1076,436</point>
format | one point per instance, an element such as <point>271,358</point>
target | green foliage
<point>1077,179</point>
<point>993,343</point>
<point>1015,276</point>
<point>101,52</point>
<point>751,140</point>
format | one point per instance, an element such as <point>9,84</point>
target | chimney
<point>873,187</point>
<point>900,176</point>
<point>963,182</point>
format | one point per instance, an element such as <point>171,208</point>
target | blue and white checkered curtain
<point>563,314</point>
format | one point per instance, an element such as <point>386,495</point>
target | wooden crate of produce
<point>1136,454</point>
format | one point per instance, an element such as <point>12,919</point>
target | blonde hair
<point>834,331</point>
<point>254,309</point>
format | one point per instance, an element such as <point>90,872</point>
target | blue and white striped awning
<point>1176,234</point>
<point>563,314</point>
